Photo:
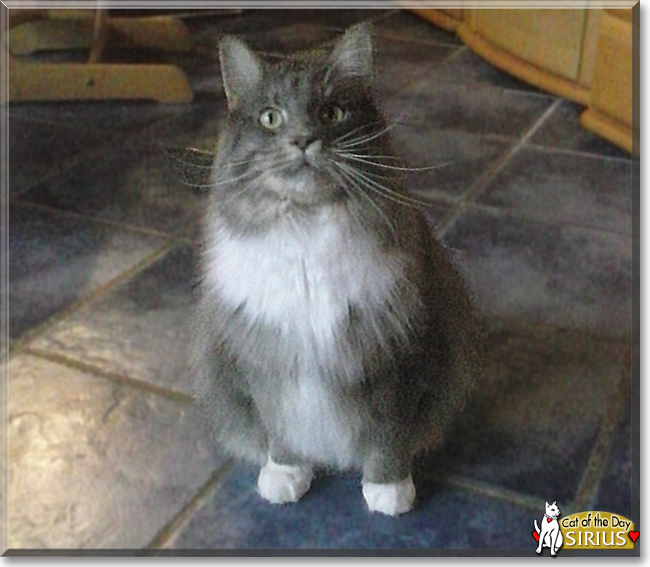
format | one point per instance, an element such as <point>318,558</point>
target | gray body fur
<point>385,379</point>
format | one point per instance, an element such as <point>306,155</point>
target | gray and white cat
<point>331,329</point>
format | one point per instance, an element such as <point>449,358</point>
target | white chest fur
<point>301,281</point>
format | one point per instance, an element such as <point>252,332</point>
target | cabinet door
<point>549,39</point>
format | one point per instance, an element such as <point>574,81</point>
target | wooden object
<point>31,81</point>
<point>541,47</point>
<point>584,55</point>
<point>610,110</point>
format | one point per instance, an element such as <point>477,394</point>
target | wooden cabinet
<point>610,108</point>
<point>584,55</point>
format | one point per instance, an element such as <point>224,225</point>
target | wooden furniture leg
<point>31,81</point>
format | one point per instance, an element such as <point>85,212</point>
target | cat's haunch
<point>331,328</point>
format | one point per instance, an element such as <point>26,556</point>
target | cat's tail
<point>536,526</point>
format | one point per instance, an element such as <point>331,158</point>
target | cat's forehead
<point>297,80</point>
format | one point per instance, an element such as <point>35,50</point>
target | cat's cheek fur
<point>392,498</point>
<point>283,484</point>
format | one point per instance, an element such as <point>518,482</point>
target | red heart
<point>549,520</point>
<point>633,536</point>
<point>536,536</point>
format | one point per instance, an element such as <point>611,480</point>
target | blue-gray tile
<point>135,187</point>
<point>533,419</point>
<point>108,119</point>
<point>333,515</point>
<point>140,329</point>
<point>94,464</point>
<point>56,260</point>
<point>558,186</point>
<point>562,130</point>
<point>615,493</point>
<point>467,68</point>
<point>41,149</point>
<point>463,158</point>
<point>401,63</point>
<point>476,109</point>
<point>555,274</point>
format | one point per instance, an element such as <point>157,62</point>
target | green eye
<point>271,119</point>
<point>333,114</point>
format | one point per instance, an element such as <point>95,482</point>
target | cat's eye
<point>271,119</point>
<point>333,114</point>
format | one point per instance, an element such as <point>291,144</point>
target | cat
<point>331,330</point>
<point>550,534</point>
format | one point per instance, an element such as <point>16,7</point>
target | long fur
<point>330,325</point>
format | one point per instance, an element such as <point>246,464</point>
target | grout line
<point>479,185</point>
<point>112,376</point>
<point>109,148</point>
<point>110,223</point>
<point>542,219</point>
<point>165,535</point>
<point>97,293</point>
<point>526,327</point>
<point>588,488</point>
<point>491,491</point>
<point>592,155</point>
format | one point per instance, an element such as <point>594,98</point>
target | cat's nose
<point>303,141</point>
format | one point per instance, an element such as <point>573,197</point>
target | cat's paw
<point>281,484</point>
<point>392,498</point>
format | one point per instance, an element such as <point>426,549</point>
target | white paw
<point>281,484</point>
<point>391,498</point>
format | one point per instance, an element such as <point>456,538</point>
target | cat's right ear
<point>241,70</point>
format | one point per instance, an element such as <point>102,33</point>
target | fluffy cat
<point>331,329</point>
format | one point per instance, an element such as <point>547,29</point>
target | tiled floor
<point>105,448</point>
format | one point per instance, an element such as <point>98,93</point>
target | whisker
<point>385,192</point>
<point>394,167</point>
<point>367,138</point>
<point>360,191</point>
<point>352,132</point>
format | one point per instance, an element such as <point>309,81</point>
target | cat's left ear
<point>352,54</point>
<point>241,70</point>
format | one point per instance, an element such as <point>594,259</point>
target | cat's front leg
<point>387,484</point>
<point>284,479</point>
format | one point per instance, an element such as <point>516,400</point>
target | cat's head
<point>552,510</point>
<point>290,119</point>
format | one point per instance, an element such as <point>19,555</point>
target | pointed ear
<point>352,54</point>
<point>241,70</point>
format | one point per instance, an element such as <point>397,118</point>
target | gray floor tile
<point>467,68</point>
<point>470,108</point>
<point>463,157</point>
<point>103,118</point>
<point>616,493</point>
<point>533,419</point>
<point>553,274</point>
<point>140,329</point>
<point>400,63</point>
<point>55,260</point>
<point>95,464</point>
<point>41,149</point>
<point>563,187</point>
<point>135,187</point>
<point>562,130</point>
<point>333,515</point>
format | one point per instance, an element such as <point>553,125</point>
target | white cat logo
<point>550,534</point>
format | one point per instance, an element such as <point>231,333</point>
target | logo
<point>550,534</point>
<point>584,530</point>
